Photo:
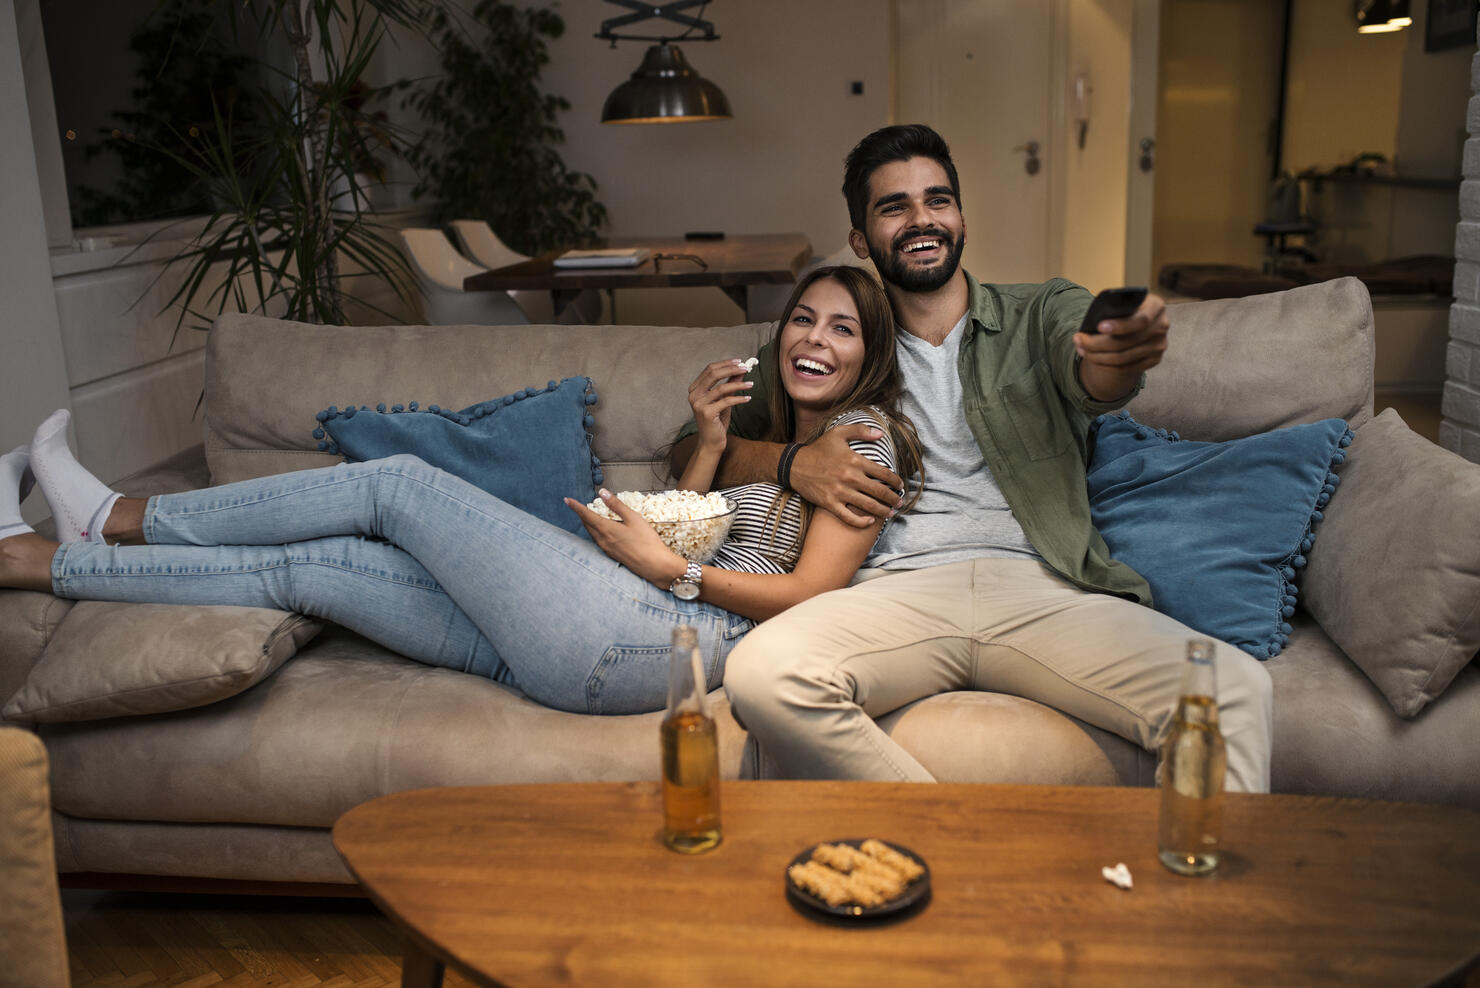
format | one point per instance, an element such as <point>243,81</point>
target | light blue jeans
<point>462,579</point>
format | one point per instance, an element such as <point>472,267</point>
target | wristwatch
<point>686,587</point>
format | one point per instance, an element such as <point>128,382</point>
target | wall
<point>1430,142</point>
<point>777,166</point>
<point>33,372</point>
<point>1460,429</point>
<point>1343,91</point>
<point>1095,175</point>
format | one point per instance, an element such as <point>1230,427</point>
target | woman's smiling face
<point>821,348</point>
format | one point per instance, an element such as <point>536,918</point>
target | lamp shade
<point>665,89</point>
<point>1381,16</point>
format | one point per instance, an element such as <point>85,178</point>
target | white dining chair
<point>476,239</point>
<point>440,270</point>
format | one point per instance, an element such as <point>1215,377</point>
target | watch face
<point>684,590</point>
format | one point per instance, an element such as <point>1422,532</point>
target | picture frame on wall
<point>1450,24</point>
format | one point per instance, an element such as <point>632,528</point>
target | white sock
<point>79,502</point>
<point>16,481</point>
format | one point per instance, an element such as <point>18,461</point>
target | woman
<point>465,581</point>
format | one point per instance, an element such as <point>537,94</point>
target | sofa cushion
<point>114,659</point>
<point>345,721</point>
<point>1336,735</point>
<point>1394,576</point>
<point>1239,366</point>
<point>529,448</point>
<point>1217,529</point>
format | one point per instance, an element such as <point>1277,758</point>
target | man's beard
<point>894,271</point>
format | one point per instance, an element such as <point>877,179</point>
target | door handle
<point>1148,154</point>
<point>1032,164</point>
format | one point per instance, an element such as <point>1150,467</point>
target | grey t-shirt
<point>962,514</point>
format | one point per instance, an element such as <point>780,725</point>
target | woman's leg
<point>578,631</point>
<point>372,588</point>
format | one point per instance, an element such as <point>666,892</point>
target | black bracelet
<point>783,466</point>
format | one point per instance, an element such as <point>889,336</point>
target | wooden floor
<point>136,939</point>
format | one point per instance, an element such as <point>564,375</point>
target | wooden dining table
<point>732,264</point>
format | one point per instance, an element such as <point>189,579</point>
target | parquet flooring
<point>138,939</point>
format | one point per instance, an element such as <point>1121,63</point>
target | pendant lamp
<point>665,88</point>
<point>1382,16</point>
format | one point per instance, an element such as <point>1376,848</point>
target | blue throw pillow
<point>1218,529</point>
<point>529,448</point>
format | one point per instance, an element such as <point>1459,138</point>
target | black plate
<point>914,893</point>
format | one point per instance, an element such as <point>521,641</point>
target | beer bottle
<point>690,752</point>
<point>1192,767</point>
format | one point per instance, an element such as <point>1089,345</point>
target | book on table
<point>605,257</point>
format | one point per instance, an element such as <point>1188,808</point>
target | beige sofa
<point>195,742</point>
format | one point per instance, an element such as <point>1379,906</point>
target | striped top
<point>757,542</point>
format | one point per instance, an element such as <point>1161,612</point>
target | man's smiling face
<point>914,230</point>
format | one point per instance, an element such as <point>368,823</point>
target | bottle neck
<point>685,673</point>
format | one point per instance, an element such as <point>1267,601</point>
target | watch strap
<point>693,575</point>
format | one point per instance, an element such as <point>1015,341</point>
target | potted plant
<point>286,206</point>
<point>488,148</point>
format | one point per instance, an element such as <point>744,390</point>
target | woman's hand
<point>631,541</point>
<point>718,388</point>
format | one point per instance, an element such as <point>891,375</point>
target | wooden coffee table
<point>569,884</point>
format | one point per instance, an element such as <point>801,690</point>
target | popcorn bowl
<point>691,524</point>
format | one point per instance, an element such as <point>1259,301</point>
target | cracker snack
<point>868,875</point>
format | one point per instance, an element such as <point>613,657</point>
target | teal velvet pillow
<point>1218,530</point>
<point>529,448</point>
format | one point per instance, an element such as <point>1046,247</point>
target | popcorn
<point>1119,875</point>
<point>749,363</point>
<point>693,525</point>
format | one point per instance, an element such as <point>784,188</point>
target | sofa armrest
<point>185,471</point>
<point>33,948</point>
<point>28,622</point>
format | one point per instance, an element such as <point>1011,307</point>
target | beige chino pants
<point>808,682</point>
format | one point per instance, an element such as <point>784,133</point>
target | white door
<point>1141,186</point>
<point>981,73</point>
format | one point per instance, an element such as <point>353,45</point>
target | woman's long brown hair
<point>879,386</point>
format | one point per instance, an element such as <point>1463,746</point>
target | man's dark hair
<point>900,142</point>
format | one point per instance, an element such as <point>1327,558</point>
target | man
<point>997,580</point>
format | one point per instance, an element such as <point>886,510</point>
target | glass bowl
<point>695,538</point>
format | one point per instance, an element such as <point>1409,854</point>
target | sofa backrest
<point>1234,367</point>
<point>267,378</point>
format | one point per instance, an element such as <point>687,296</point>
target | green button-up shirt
<point>1030,415</point>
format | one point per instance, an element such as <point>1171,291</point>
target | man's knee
<point>750,674</point>
<point>776,665</point>
<point>1244,682</point>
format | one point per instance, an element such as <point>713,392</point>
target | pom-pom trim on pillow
<point>1308,473</point>
<point>466,416</point>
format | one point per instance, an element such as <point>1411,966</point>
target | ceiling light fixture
<point>1382,16</point>
<point>665,88</point>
